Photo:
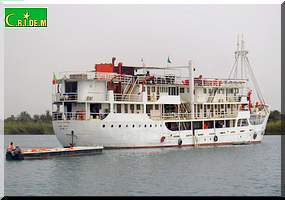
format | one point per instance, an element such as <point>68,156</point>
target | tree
<point>24,116</point>
<point>36,118</point>
<point>11,118</point>
<point>274,115</point>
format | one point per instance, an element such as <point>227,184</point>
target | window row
<point>134,126</point>
<point>221,90</point>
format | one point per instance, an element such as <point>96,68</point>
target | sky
<point>79,36</point>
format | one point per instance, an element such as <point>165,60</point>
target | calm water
<point>229,170</point>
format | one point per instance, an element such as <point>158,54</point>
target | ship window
<point>70,86</point>
<point>120,126</point>
<point>156,125</point>
<point>139,126</point>
<point>242,122</point>
<point>150,125</point>
<point>181,90</point>
<point>174,126</point>
<point>208,124</point>
<point>132,108</point>
<point>160,125</point>
<point>126,108</point>
<point>103,125</point>
<point>198,125</point>
<point>220,124</point>
<point>138,106</point>
<point>156,107</point>
<point>119,108</point>
<point>145,125</point>
<point>112,126</point>
<point>148,108</point>
<point>133,126</point>
<point>127,125</point>
<point>230,123</point>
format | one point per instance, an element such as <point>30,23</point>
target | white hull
<point>92,133</point>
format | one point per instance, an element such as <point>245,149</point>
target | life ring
<point>215,138</point>
<point>162,139</point>
<point>179,141</point>
<point>254,136</point>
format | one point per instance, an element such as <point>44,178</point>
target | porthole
<point>120,126</point>
<point>145,125</point>
<point>160,125</point>
<point>133,126</point>
<point>103,125</point>
<point>112,126</point>
<point>140,126</point>
<point>150,126</point>
<point>127,126</point>
<point>155,125</point>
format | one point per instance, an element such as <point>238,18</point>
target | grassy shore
<point>45,128</point>
<point>28,128</point>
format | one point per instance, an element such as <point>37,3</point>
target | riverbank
<point>273,127</point>
<point>45,128</point>
<point>28,128</point>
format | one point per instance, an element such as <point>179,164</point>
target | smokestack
<point>120,66</point>
<point>113,61</point>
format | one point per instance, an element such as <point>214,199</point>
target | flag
<point>142,62</point>
<point>54,79</point>
<point>168,60</point>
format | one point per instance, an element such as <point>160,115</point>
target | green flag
<point>168,60</point>
<point>54,79</point>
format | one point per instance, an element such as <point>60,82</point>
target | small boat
<point>39,153</point>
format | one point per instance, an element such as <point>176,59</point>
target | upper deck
<point>93,86</point>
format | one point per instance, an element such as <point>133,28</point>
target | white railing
<point>77,115</point>
<point>65,97</point>
<point>186,116</point>
<point>128,97</point>
<point>90,75</point>
<point>218,82</point>
<point>96,96</point>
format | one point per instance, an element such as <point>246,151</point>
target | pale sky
<point>77,37</point>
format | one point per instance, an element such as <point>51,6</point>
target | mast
<point>242,64</point>
<point>191,87</point>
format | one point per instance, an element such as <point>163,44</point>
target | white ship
<point>121,106</point>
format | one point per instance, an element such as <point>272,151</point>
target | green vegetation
<point>41,124</point>
<point>26,125</point>
<point>274,123</point>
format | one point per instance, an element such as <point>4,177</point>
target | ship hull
<point>138,131</point>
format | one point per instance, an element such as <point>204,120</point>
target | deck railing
<point>65,97</point>
<point>128,97</point>
<point>77,115</point>
<point>187,116</point>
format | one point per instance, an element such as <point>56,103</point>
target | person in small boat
<point>18,150</point>
<point>11,147</point>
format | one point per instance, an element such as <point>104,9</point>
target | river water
<point>208,171</point>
